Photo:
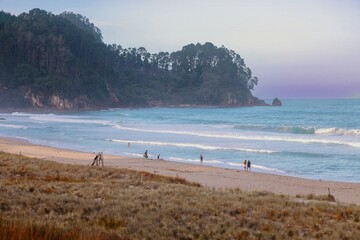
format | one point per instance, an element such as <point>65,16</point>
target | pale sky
<point>297,48</point>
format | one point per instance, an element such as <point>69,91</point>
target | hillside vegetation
<point>46,200</point>
<point>60,61</point>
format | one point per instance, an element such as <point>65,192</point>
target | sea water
<point>317,139</point>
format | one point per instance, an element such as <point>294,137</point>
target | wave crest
<point>338,131</point>
<point>280,129</point>
<point>191,145</point>
<point>302,130</point>
<point>246,137</point>
<point>13,126</point>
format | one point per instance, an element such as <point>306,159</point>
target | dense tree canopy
<point>60,61</point>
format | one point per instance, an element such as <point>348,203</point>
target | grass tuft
<point>328,197</point>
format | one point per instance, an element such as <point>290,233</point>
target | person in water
<point>146,154</point>
<point>201,158</point>
<point>245,165</point>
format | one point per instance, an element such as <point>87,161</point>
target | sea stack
<point>276,102</point>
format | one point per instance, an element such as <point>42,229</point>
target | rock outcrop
<point>254,101</point>
<point>35,100</point>
<point>276,102</point>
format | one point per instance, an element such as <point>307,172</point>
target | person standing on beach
<point>96,160</point>
<point>245,165</point>
<point>201,158</point>
<point>249,165</point>
<point>101,159</point>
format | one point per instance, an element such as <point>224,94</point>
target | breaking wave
<point>190,145</point>
<point>61,118</point>
<point>267,168</point>
<point>12,126</point>
<point>248,137</point>
<point>302,130</point>
<point>338,131</point>
<point>282,129</point>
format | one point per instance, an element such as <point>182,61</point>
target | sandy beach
<point>213,177</point>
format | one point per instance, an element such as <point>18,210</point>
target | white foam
<point>189,145</point>
<point>20,114</point>
<point>247,137</point>
<point>133,154</point>
<point>67,119</point>
<point>194,160</point>
<point>235,164</point>
<point>267,168</point>
<point>220,126</point>
<point>212,161</point>
<point>183,159</point>
<point>23,138</point>
<point>61,118</point>
<point>12,126</point>
<point>338,131</point>
<point>23,114</point>
<point>325,130</point>
<point>257,167</point>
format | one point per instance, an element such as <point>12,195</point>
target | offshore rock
<point>276,102</point>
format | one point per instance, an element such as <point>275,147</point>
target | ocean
<point>315,139</point>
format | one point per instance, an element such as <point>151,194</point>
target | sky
<point>296,48</point>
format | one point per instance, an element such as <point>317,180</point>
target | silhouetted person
<point>249,165</point>
<point>146,154</point>
<point>201,158</point>
<point>96,159</point>
<point>101,159</point>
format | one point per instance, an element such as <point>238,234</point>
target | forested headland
<point>61,62</point>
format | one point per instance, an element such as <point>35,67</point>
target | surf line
<point>256,138</point>
<point>191,145</point>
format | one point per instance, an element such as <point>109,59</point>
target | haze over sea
<point>317,139</point>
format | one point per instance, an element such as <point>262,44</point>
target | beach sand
<point>220,178</point>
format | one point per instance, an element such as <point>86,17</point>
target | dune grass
<point>47,200</point>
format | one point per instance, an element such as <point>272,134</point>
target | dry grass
<point>329,197</point>
<point>47,200</point>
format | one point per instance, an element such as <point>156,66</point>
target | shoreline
<point>208,176</point>
<point>48,109</point>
